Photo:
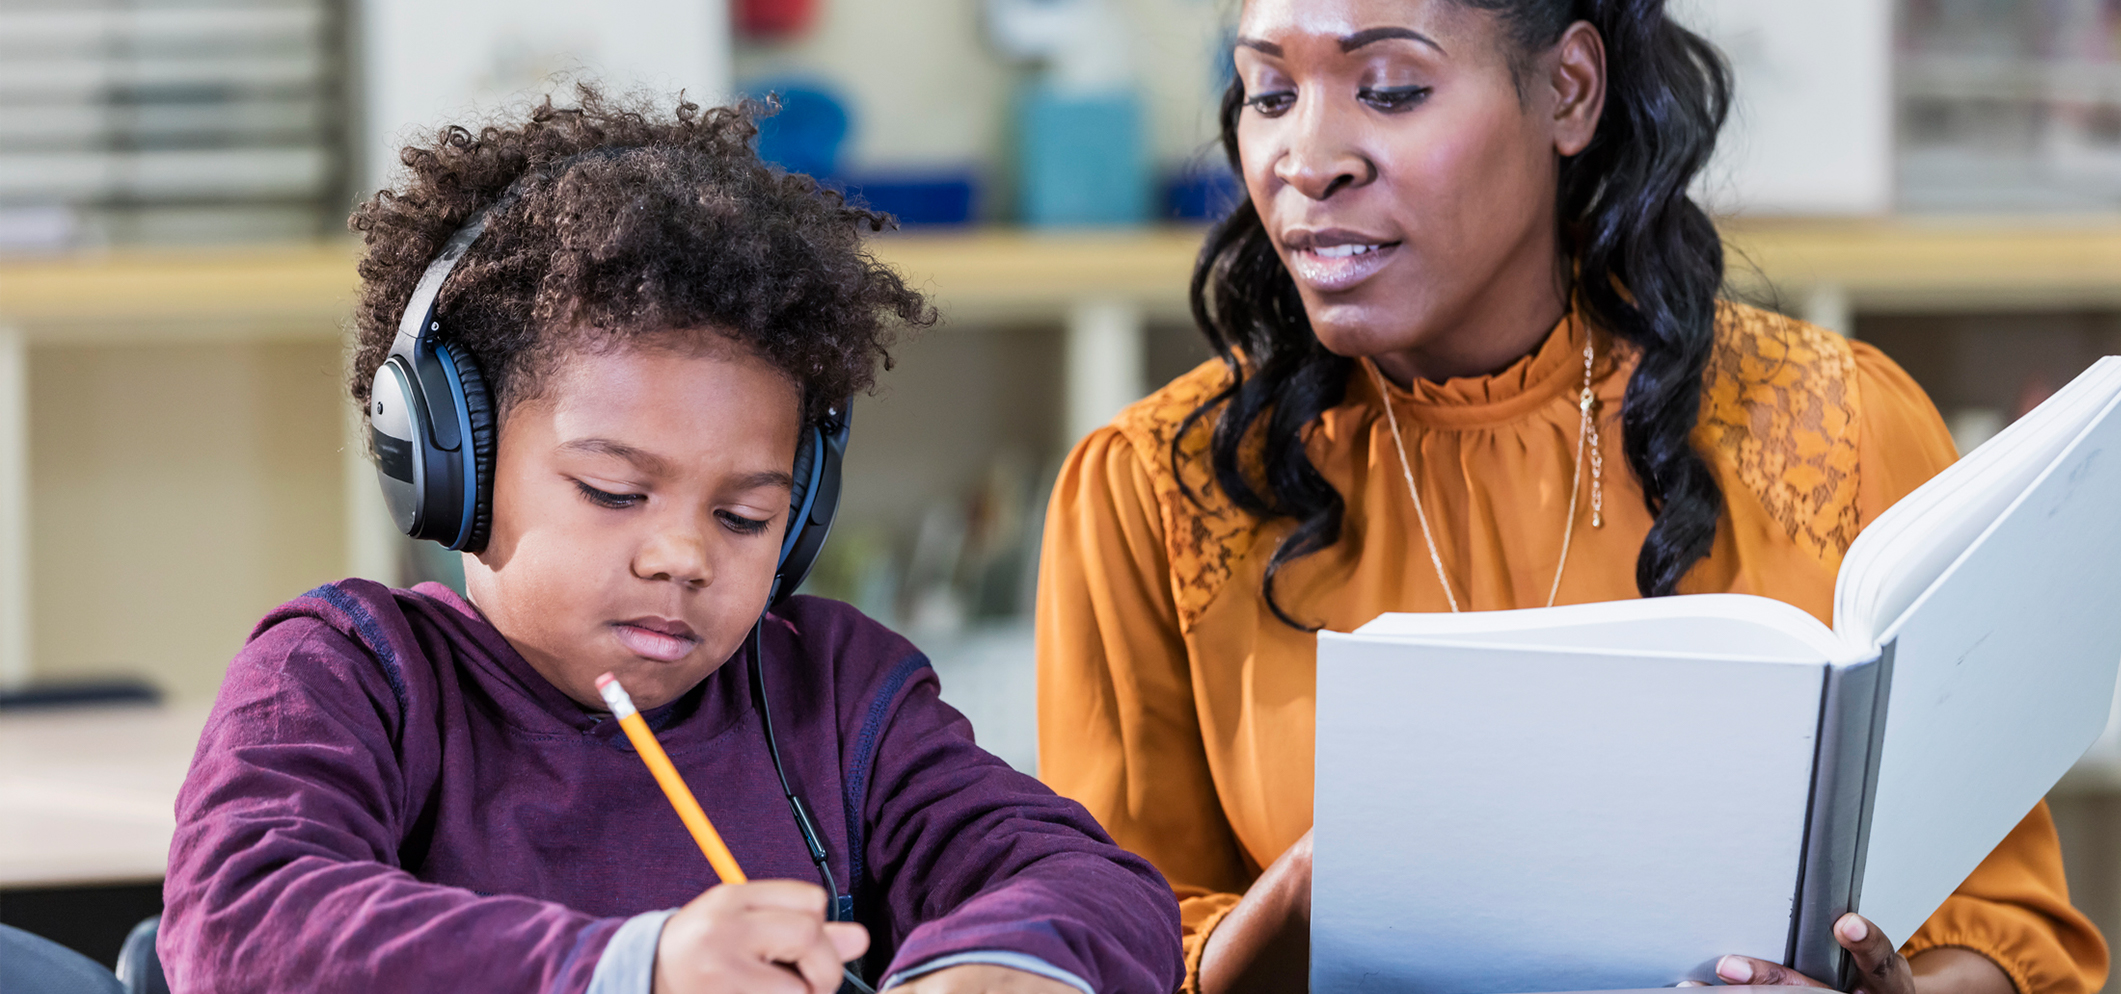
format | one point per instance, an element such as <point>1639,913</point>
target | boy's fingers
<point>791,895</point>
<point>849,939</point>
<point>1760,973</point>
<point>820,967</point>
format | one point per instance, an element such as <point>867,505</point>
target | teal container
<point>1082,159</point>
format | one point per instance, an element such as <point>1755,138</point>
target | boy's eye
<point>1392,98</point>
<point>1271,104</point>
<point>740,524</point>
<point>602,499</point>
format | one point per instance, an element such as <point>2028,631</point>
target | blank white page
<point>2003,675</point>
<point>1718,624</point>
<point>1492,818</point>
<point>1902,553</point>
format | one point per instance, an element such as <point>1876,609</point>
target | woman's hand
<point>769,937</point>
<point>1264,944</point>
<point>1880,969</point>
<point>983,978</point>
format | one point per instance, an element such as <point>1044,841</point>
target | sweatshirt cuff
<point>628,963</point>
<point>992,957</point>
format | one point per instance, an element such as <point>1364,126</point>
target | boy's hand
<point>769,937</point>
<point>982,978</point>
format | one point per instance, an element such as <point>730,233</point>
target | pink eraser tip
<point>602,680</point>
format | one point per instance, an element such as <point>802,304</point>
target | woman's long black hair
<point>1648,265</point>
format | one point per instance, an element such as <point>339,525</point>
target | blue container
<point>1204,192</point>
<point>916,198</point>
<point>1082,159</point>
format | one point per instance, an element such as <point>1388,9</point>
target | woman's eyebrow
<point>1369,35</point>
<point>1351,42</point>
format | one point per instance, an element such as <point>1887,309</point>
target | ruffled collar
<point>1555,369</point>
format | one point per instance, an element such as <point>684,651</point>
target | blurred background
<point>1940,177</point>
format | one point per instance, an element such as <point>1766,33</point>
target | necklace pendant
<point>1597,520</point>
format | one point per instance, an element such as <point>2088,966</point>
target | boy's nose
<point>675,554</point>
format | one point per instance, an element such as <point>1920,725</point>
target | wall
<point>178,493</point>
<point>926,87</point>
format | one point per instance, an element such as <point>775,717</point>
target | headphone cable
<point>803,822</point>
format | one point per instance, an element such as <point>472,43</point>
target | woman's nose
<point>1323,157</point>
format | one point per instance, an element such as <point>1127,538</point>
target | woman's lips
<point>1336,268</point>
<point>662,646</point>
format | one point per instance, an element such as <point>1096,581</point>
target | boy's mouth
<point>660,639</point>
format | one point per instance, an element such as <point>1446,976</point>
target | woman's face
<point>639,502</point>
<point>1407,184</point>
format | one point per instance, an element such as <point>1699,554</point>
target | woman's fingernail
<point>1734,969</point>
<point>1852,928</point>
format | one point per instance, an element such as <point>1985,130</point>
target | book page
<point>1903,552</point>
<point>2002,675</point>
<point>1713,624</point>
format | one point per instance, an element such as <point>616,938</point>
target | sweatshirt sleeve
<point>970,856</point>
<point>284,872</point>
<point>1118,727</point>
<point>2014,908</point>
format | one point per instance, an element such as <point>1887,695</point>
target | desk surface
<point>87,795</point>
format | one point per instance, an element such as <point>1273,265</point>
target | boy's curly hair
<point>670,224</point>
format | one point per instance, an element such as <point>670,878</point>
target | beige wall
<point>177,494</point>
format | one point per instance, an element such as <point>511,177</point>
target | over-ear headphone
<point>431,422</point>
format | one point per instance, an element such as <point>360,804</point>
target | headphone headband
<point>431,421</point>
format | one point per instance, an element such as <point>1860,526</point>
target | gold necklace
<point>1586,433</point>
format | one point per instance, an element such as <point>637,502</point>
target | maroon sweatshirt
<point>388,797</point>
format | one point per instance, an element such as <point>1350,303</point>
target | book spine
<point>1844,775</point>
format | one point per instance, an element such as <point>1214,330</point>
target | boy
<point>406,790</point>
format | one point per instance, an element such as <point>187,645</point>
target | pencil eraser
<point>602,680</point>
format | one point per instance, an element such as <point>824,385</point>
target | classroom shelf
<point>1888,265</point>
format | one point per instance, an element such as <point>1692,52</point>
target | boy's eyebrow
<point>642,459</point>
<point>765,478</point>
<point>656,465</point>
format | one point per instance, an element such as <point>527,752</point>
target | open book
<point>1613,795</point>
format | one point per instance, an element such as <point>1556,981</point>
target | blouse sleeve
<point>2014,908</point>
<point>1118,731</point>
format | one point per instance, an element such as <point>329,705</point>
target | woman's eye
<point>1393,97</point>
<point>602,499</point>
<point>742,525</point>
<point>1271,104</point>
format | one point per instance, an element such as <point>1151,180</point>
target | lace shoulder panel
<point>1205,535</point>
<point>1780,410</point>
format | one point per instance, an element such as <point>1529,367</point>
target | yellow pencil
<point>666,775</point>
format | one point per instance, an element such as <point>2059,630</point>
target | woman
<point>1472,357</point>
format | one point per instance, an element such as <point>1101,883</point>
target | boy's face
<point>638,510</point>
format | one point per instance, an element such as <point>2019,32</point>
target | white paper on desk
<point>1461,849</point>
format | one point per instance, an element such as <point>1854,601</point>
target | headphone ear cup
<point>478,409</point>
<point>805,464</point>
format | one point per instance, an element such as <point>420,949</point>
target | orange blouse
<point>1180,710</point>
